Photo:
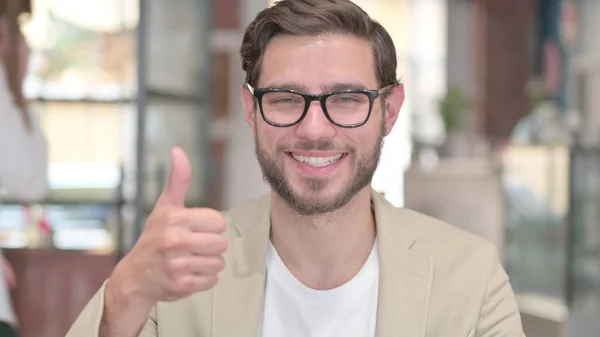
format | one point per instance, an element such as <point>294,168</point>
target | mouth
<point>317,161</point>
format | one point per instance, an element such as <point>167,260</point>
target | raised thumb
<point>179,179</point>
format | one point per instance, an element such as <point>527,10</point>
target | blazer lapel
<point>406,277</point>
<point>238,297</point>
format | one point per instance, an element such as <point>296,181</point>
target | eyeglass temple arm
<point>250,88</point>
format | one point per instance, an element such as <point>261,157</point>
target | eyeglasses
<point>346,109</point>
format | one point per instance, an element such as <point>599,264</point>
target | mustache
<point>314,145</point>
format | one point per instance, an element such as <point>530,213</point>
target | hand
<point>180,251</point>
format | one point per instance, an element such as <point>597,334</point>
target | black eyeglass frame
<point>322,98</point>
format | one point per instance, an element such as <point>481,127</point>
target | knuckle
<point>183,286</point>
<point>220,263</point>
<point>174,218</point>
<point>213,264</point>
<point>218,221</point>
<point>178,288</point>
<point>207,281</point>
<point>177,265</point>
<point>221,223</point>
<point>211,280</point>
<point>171,286</point>
<point>172,240</point>
<point>187,285</point>
<point>222,244</point>
<point>212,213</point>
<point>212,244</point>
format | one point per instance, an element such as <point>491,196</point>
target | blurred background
<point>500,135</point>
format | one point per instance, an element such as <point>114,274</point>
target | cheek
<point>263,132</point>
<point>362,139</point>
<point>268,135</point>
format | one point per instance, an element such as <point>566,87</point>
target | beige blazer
<point>435,280</point>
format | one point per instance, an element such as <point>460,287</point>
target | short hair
<point>315,17</point>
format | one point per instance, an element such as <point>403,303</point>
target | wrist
<point>124,293</point>
<point>126,309</point>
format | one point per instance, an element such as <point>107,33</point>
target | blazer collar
<point>405,276</point>
<point>238,297</point>
<point>404,284</point>
<point>252,225</point>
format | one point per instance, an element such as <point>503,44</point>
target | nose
<point>315,124</point>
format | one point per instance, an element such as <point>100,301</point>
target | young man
<point>322,254</point>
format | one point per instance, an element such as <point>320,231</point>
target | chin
<point>320,187</point>
<point>311,192</point>
<point>317,196</point>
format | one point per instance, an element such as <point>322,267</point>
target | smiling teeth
<point>317,161</point>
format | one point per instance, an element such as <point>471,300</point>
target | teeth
<point>317,161</point>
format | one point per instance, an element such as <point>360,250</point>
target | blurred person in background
<point>322,254</point>
<point>23,148</point>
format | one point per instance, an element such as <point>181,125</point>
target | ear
<point>393,104</point>
<point>250,106</point>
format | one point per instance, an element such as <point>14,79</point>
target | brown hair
<point>10,11</point>
<point>314,17</point>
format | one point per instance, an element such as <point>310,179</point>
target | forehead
<point>318,62</point>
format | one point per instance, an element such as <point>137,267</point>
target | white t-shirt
<point>293,310</point>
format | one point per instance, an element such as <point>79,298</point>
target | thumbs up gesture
<point>180,250</point>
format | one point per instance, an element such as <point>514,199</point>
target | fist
<point>180,252</point>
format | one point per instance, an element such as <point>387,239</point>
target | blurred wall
<point>461,54</point>
<point>586,70</point>
<point>505,48</point>
<point>491,49</point>
<point>242,179</point>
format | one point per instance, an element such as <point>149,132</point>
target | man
<point>322,254</point>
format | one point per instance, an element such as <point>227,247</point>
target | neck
<point>327,250</point>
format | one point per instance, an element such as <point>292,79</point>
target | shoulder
<point>464,269</point>
<point>428,236</point>
<point>436,236</point>
<point>449,247</point>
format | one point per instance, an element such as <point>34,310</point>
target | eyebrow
<point>288,86</point>
<point>345,86</point>
<point>339,86</point>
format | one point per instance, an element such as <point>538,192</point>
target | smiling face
<point>316,166</point>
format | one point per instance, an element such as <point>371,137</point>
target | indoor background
<point>499,135</point>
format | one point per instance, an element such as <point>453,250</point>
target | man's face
<point>316,166</point>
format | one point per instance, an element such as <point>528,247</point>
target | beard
<point>315,200</point>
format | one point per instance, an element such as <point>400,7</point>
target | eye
<point>347,98</point>
<point>283,98</point>
<point>286,100</point>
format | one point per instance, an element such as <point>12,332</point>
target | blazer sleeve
<point>499,315</point>
<point>88,322</point>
